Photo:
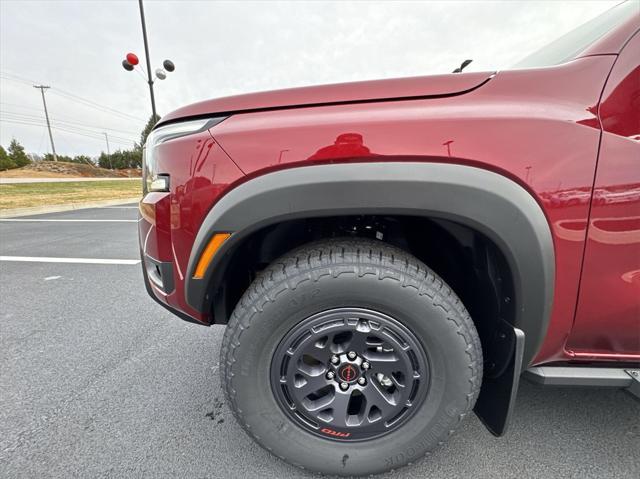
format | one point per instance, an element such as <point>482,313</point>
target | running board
<point>586,377</point>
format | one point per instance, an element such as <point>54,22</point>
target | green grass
<point>23,195</point>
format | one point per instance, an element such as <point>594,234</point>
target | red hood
<point>400,88</point>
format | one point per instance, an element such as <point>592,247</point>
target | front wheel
<point>350,357</point>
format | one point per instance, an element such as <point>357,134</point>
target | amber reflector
<point>207,255</point>
<point>147,211</point>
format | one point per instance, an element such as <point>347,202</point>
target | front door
<point>607,322</point>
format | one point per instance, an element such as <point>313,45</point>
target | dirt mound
<point>57,169</point>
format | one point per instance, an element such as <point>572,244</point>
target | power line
<point>94,105</point>
<point>61,120</point>
<point>44,131</point>
<point>17,77</point>
<point>17,105</point>
<point>8,76</point>
<point>84,126</point>
<point>36,120</point>
<point>72,97</point>
<point>97,136</point>
<point>76,125</point>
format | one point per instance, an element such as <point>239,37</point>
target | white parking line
<point>40,220</point>
<point>44,259</point>
<point>118,208</point>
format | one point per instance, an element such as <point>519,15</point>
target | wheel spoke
<point>387,364</point>
<point>359,343</point>
<point>305,384</point>
<point>396,382</point>
<point>381,405</point>
<point>339,405</point>
<point>379,397</point>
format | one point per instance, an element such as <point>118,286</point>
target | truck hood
<point>339,93</point>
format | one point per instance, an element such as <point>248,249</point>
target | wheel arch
<point>487,202</point>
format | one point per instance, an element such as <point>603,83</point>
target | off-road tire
<point>353,273</point>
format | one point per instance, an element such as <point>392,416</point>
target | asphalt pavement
<point>97,380</point>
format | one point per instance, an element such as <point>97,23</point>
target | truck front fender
<point>486,201</point>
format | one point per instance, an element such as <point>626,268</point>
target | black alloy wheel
<point>350,374</point>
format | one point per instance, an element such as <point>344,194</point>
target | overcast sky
<point>224,48</point>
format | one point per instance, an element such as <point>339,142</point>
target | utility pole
<point>108,151</point>
<point>107,138</point>
<point>146,54</point>
<point>42,88</point>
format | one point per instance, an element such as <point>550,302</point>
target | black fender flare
<point>484,200</point>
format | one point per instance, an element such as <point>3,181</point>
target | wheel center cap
<point>348,373</point>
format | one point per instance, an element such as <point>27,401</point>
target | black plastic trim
<point>149,288</point>
<point>213,121</point>
<point>160,273</point>
<point>488,202</point>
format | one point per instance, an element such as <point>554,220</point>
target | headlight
<point>153,180</point>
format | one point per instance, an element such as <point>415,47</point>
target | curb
<point>38,210</point>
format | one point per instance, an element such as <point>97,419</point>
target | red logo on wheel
<point>348,373</point>
<point>331,432</point>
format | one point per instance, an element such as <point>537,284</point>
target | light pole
<point>131,61</point>
<point>146,54</point>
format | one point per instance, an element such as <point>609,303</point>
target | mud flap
<point>497,397</point>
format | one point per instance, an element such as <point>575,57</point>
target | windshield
<point>570,45</point>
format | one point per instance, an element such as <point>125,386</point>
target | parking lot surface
<point>97,380</point>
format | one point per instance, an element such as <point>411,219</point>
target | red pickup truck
<point>388,256</point>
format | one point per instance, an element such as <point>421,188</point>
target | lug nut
<point>344,386</point>
<point>366,365</point>
<point>331,375</point>
<point>362,381</point>
<point>352,355</point>
<point>335,359</point>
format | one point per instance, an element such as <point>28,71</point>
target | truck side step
<point>587,377</point>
